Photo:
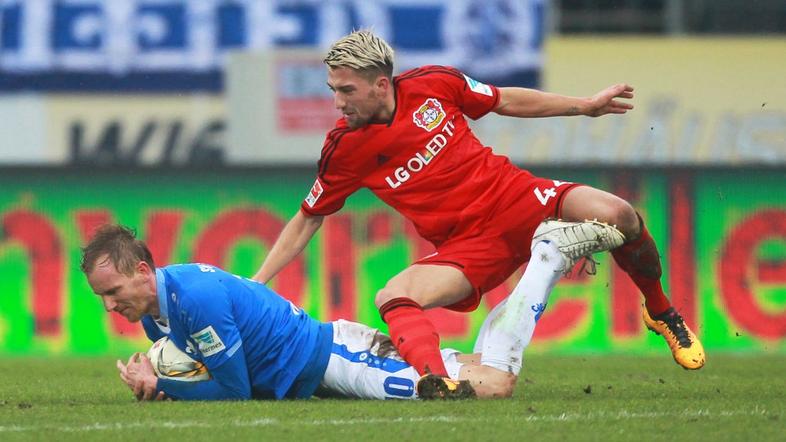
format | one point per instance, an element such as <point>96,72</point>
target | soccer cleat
<point>432,386</point>
<point>685,347</point>
<point>577,240</point>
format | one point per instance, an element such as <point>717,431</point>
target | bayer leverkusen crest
<point>429,115</point>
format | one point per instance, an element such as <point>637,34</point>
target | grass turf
<point>558,398</point>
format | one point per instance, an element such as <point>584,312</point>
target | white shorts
<point>364,364</point>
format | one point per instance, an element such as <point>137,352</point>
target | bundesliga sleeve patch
<point>314,194</point>
<point>476,86</point>
<point>208,342</point>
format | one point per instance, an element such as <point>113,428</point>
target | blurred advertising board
<point>722,234</point>
<point>181,45</point>
<point>691,107</point>
<point>139,59</point>
<point>138,130</point>
<point>699,101</point>
<point>107,130</point>
<point>279,107</point>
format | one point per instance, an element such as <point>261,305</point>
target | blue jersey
<point>239,329</point>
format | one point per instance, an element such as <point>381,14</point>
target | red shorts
<point>492,246</point>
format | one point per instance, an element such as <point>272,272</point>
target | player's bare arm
<point>293,239</point>
<point>532,103</point>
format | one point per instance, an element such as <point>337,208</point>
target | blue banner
<point>180,45</point>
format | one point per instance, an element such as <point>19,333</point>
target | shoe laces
<point>584,246</point>
<point>677,326</point>
<point>588,265</point>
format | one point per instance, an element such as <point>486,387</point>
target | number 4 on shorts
<point>544,196</point>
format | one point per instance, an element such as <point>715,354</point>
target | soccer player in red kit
<point>407,140</point>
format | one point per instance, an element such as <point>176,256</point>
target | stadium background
<point>199,124</point>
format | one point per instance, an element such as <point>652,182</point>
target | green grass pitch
<point>558,398</point>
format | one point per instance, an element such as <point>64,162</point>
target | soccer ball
<point>171,363</point>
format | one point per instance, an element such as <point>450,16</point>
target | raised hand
<point>605,101</point>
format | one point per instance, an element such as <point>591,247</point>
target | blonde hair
<point>363,52</point>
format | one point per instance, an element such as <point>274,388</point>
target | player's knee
<point>628,221</point>
<point>620,213</point>
<point>385,295</point>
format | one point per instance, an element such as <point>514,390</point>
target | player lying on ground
<point>256,344</point>
<point>407,140</point>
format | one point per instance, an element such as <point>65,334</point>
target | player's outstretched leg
<point>577,240</point>
<point>432,386</point>
<point>639,258</point>
<point>685,347</point>
<point>641,261</point>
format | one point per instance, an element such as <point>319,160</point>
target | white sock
<point>484,328</point>
<point>508,329</point>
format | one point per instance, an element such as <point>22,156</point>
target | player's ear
<point>143,268</point>
<point>382,84</point>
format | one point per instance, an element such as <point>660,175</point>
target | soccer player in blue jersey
<point>256,344</point>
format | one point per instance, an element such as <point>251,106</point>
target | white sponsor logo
<point>476,86</point>
<point>421,159</point>
<point>208,341</point>
<point>314,194</point>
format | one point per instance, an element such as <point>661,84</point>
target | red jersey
<point>426,163</point>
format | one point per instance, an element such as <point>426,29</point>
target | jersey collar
<point>161,293</point>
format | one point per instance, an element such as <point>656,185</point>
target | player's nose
<point>109,304</point>
<point>338,101</point>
